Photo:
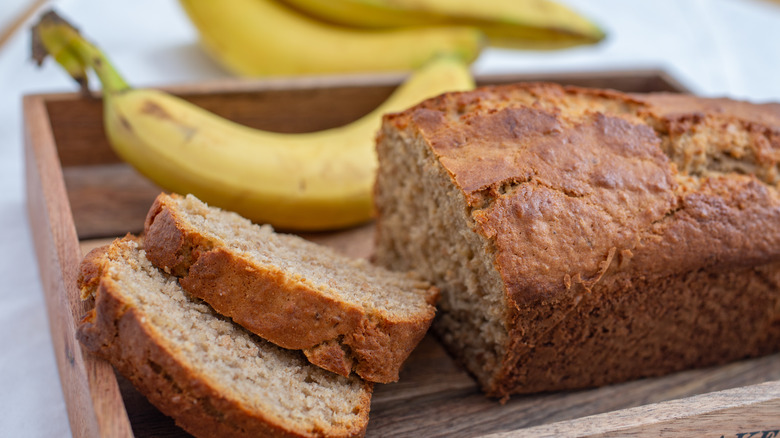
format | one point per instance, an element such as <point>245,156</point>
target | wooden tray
<point>79,194</point>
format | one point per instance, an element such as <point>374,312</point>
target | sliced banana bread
<point>344,314</point>
<point>584,237</point>
<point>212,376</point>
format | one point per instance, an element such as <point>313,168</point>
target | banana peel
<point>519,24</point>
<point>267,38</point>
<point>305,182</point>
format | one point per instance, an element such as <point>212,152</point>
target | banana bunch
<point>265,37</point>
<point>312,181</point>
<point>291,37</point>
<point>534,24</point>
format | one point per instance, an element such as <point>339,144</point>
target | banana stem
<point>56,37</point>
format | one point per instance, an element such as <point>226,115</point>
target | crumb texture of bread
<point>583,237</point>
<point>345,314</point>
<point>212,376</point>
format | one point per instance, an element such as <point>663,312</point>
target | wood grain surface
<point>80,196</point>
<point>752,411</point>
<point>95,406</point>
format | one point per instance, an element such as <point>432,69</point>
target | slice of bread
<point>212,376</point>
<point>346,315</point>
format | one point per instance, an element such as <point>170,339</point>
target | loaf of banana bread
<point>584,237</point>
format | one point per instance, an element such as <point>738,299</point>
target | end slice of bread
<point>346,315</point>
<point>212,376</point>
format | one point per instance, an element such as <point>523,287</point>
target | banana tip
<point>47,20</point>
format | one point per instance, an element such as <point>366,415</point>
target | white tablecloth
<point>715,47</point>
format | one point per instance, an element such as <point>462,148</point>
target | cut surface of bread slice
<point>345,314</point>
<point>212,376</point>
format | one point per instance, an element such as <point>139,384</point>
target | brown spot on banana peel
<point>189,132</point>
<point>125,123</point>
<point>153,109</point>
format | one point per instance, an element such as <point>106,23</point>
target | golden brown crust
<point>586,195</point>
<point>639,327</point>
<point>615,189</point>
<point>674,104</point>
<point>335,335</point>
<point>118,332</point>
<point>90,271</point>
<point>287,313</point>
<point>332,356</point>
<point>169,248</point>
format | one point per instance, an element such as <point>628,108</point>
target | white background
<point>714,47</point>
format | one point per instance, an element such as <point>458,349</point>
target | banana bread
<point>344,314</point>
<point>584,237</point>
<point>213,377</point>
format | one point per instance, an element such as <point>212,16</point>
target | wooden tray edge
<point>384,79</point>
<point>94,404</point>
<point>747,411</point>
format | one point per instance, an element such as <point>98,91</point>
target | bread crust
<point>335,335</point>
<point>594,216</point>
<point>640,327</point>
<point>116,331</point>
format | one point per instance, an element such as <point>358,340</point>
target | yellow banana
<point>311,181</point>
<point>534,24</point>
<point>264,37</point>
